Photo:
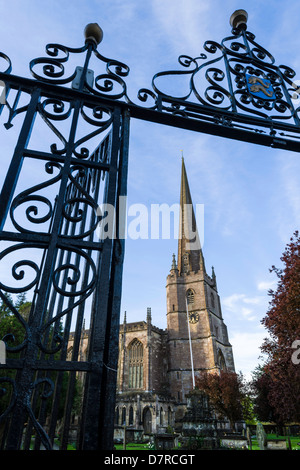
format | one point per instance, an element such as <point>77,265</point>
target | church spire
<point>190,256</point>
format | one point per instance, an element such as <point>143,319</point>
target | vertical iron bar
<point>110,358</point>
<point>234,109</point>
<point>15,427</point>
<point>17,159</point>
<point>94,401</point>
<point>72,374</point>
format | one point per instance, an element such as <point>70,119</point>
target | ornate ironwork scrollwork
<point>10,337</point>
<point>7,63</point>
<point>101,118</point>
<point>216,79</point>
<point>44,395</point>
<point>236,57</point>
<point>18,274</point>
<point>53,68</point>
<point>13,395</point>
<point>73,281</point>
<point>28,197</point>
<point>77,202</point>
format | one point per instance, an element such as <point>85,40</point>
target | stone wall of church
<point>148,407</point>
<point>155,363</point>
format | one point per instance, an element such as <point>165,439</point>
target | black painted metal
<point>73,276</point>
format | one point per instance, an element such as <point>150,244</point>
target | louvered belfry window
<point>190,296</point>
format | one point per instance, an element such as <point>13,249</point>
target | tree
<point>261,387</point>
<point>10,327</point>
<point>12,330</point>
<point>4,309</point>
<point>283,324</point>
<point>23,306</point>
<point>227,393</point>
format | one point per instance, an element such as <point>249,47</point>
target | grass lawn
<point>255,446</point>
<point>294,441</point>
<point>133,446</point>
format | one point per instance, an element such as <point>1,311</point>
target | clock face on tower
<point>193,317</point>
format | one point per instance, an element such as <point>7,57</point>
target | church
<point>157,368</point>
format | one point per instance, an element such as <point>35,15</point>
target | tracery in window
<point>136,369</point>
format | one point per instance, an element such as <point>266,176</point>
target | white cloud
<point>287,203</point>
<point>246,350</point>
<point>183,24</point>
<point>266,285</point>
<point>252,300</point>
<point>238,304</point>
<point>230,302</point>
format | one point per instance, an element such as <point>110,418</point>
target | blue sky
<point>251,194</point>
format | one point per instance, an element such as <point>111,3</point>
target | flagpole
<point>190,342</point>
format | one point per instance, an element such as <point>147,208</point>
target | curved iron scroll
<point>234,88</point>
<point>234,83</point>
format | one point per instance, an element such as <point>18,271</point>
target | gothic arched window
<point>136,369</point>
<point>130,416</point>
<point>221,361</point>
<point>123,416</point>
<point>117,415</point>
<point>161,416</point>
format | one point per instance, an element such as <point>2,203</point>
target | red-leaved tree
<point>226,393</point>
<point>283,324</point>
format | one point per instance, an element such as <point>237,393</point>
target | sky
<point>250,194</point>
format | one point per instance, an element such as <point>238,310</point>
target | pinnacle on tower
<point>174,265</point>
<point>149,317</point>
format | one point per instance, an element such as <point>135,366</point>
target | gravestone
<point>261,437</point>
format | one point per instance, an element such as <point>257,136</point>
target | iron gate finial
<point>93,33</point>
<point>238,20</point>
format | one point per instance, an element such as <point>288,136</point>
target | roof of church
<point>140,325</point>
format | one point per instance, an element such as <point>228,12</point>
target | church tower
<point>197,335</point>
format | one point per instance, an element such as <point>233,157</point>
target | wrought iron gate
<point>52,235</point>
<point>54,239</point>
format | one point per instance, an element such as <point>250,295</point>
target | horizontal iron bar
<point>65,365</point>
<point>41,364</point>
<point>60,159</point>
<point>212,111</point>
<point>43,240</point>
<point>218,130</point>
<point>160,117</point>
